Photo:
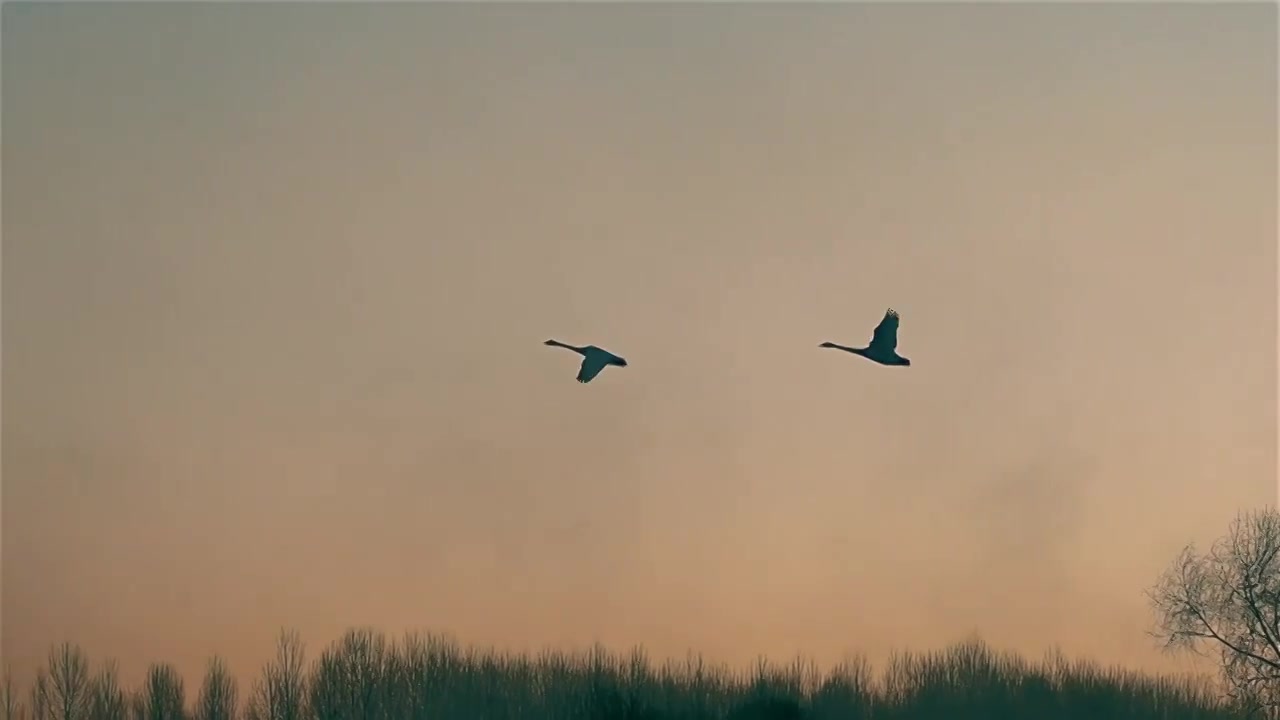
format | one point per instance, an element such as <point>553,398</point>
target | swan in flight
<point>884,343</point>
<point>593,359</point>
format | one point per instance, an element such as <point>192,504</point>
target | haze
<point>276,279</point>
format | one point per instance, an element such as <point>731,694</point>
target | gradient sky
<point>276,280</point>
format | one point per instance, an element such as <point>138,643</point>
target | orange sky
<point>276,278</point>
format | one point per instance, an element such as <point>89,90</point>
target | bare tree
<point>40,696</point>
<point>62,691</point>
<point>417,666</point>
<point>107,701</point>
<point>281,692</point>
<point>9,704</point>
<point>219,694</point>
<point>352,679</point>
<point>254,707</point>
<point>137,705</point>
<point>1228,600</point>
<point>163,697</point>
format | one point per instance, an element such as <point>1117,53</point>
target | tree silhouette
<point>107,701</point>
<point>415,674</point>
<point>9,704</point>
<point>163,697</point>
<point>219,694</point>
<point>137,705</point>
<point>352,680</point>
<point>363,675</point>
<point>62,690</point>
<point>281,692</point>
<point>1228,600</point>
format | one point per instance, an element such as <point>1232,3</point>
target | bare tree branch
<point>1229,599</point>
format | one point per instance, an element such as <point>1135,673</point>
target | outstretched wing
<point>886,333</point>
<point>592,364</point>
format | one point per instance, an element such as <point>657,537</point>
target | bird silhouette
<point>594,359</point>
<point>883,348</point>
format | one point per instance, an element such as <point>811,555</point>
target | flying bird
<point>884,343</point>
<point>594,359</point>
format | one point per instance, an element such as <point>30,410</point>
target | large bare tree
<point>219,694</point>
<point>1227,601</point>
<point>62,690</point>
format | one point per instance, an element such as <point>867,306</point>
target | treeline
<point>363,676</point>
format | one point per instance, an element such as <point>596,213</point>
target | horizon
<point>1203,676</point>
<point>366,673</point>
<point>277,278</point>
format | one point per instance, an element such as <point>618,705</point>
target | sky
<point>276,280</point>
